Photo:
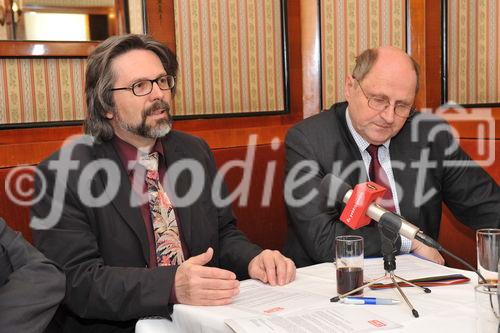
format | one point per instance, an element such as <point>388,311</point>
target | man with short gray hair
<point>377,135</point>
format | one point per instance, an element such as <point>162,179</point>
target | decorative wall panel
<point>135,16</point>
<point>39,90</point>
<point>230,56</point>
<point>347,28</point>
<point>473,51</point>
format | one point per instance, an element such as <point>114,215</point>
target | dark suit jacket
<point>471,194</point>
<point>104,250</point>
<point>31,286</point>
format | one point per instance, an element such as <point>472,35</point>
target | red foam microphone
<point>363,195</point>
<point>361,207</point>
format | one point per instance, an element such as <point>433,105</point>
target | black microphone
<point>336,190</point>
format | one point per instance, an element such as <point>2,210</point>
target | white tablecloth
<point>445,309</point>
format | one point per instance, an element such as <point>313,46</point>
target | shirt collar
<point>128,153</point>
<point>360,141</point>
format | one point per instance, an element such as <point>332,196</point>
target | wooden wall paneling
<point>16,216</point>
<point>455,236</point>
<point>433,54</point>
<point>26,153</point>
<point>473,146</point>
<point>160,21</point>
<point>458,239</point>
<point>469,129</point>
<point>120,25</point>
<point>37,134</point>
<point>264,224</point>
<point>31,145</point>
<point>47,49</point>
<point>425,47</point>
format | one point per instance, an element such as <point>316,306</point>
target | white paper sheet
<point>261,298</point>
<point>407,266</point>
<point>325,319</point>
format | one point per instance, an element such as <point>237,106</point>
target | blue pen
<point>368,300</point>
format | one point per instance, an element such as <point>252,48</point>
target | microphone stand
<point>388,239</point>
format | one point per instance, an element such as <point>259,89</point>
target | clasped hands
<point>197,284</point>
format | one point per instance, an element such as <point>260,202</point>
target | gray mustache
<point>156,106</point>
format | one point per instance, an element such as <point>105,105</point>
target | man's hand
<point>421,250</point>
<point>272,267</point>
<point>196,284</point>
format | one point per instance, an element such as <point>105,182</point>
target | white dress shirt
<point>385,161</point>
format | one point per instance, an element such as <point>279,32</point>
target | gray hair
<point>100,78</point>
<point>366,60</point>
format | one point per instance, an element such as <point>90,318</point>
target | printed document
<point>282,310</point>
<point>325,319</point>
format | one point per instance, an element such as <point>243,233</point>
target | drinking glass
<point>349,253</point>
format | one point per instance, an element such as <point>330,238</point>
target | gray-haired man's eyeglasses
<point>378,103</point>
<point>144,87</point>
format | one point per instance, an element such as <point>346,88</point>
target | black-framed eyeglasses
<point>379,104</point>
<point>144,87</point>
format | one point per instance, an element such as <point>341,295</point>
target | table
<point>447,308</point>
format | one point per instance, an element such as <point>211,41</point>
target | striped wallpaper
<point>47,89</point>
<point>135,16</point>
<point>347,28</point>
<point>3,26</point>
<point>38,90</point>
<point>473,51</point>
<point>230,56</point>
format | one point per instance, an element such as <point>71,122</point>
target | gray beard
<point>159,130</point>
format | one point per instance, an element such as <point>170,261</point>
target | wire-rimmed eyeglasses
<point>379,104</point>
<point>144,87</point>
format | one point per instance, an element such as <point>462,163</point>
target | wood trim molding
<point>30,146</point>
<point>425,47</point>
<point>46,49</point>
<point>160,21</point>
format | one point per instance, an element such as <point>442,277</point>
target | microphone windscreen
<point>334,189</point>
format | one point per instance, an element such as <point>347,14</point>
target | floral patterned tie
<point>166,231</point>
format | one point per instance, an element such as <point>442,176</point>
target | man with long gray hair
<point>128,211</point>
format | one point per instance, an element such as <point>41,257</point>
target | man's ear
<point>110,115</point>
<point>349,85</point>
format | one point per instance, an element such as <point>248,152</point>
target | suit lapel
<point>405,153</point>
<point>173,152</point>
<point>358,174</point>
<point>122,200</point>
<point>401,150</point>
